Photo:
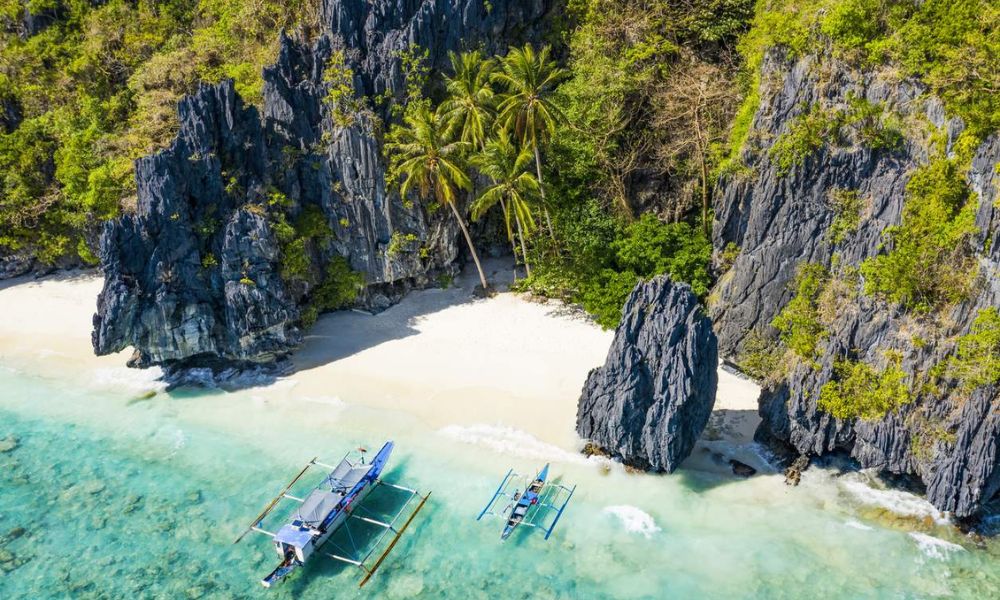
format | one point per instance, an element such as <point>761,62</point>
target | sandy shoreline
<point>505,364</point>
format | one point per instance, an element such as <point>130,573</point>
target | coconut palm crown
<point>527,108</point>
<point>428,158</point>
<point>470,102</point>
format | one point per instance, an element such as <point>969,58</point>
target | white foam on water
<point>509,441</point>
<point>129,380</point>
<point>933,547</point>
<point>897,501</point>
<point>857,525</point>
<point>635,520</point>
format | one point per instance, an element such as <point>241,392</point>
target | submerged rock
<point>741,469</point>
<point>14,534</point>
<point>653,397</point>
<point>9,444</point>
<point>793,473</point>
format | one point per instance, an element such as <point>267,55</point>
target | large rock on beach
<point>654,395</point>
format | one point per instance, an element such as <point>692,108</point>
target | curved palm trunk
<point>510,235</point>
<point>524,249</point>
<point>541,188</point>
<point>472,248</point>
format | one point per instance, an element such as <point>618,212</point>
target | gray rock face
<point>654,395</point>
<point>193,277</point>
<point>944,438</point>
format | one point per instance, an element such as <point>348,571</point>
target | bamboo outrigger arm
<point>255,525</point>
<point>378,563</point>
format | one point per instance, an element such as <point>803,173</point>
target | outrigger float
<point>329,508</point>
<point>540,500</point>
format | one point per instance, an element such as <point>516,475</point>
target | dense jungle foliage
<point>645,105</point>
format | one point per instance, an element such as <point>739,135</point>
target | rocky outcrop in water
<point>243,222</point>
<point>654,395</point>
<point>777,221</point>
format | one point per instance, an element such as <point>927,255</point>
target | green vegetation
<point>602,162</point>
<point>846,206</point>
<point>97,88</point>
<point>427,158</point>
<point>977,357</point>
<point>953,46</point>
<point>762,358</point>
<point>799,321</point>
<point>296,241</point>
<point>339,288</point>
<point>602,281</point>
<point>400,242</point>
<point>345,106</point>
<point>929,262</point>
<point>873,126</point>
<point>514,188</point>
<point>862,392</point>
<point>806,134</point>
<point>645,91</point>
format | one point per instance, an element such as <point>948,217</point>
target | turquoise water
<point>123,497</point>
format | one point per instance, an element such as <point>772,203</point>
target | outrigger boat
<point>328,508</point>
<point>531,507</point>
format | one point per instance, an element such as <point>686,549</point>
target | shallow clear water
<point>122,497</point>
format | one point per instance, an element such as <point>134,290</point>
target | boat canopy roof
<point>293,536</point>
<point>328,494</point>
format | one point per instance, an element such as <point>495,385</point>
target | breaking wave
<point>135,381</point>
<point>510,441</point>
<point>633,519</point>
<point>935,547</point>
<point>896,501</point>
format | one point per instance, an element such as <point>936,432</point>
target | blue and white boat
<point>540,505</point>
<point>327,508</point>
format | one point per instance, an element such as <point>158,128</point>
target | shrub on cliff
<point>864,392</point>
<point>928,262</point>
<point>798,322</point>
<point>977,357</point>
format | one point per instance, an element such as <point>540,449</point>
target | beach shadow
<point>340,334</point>
<point>29,280</point>
<point>728,437</point>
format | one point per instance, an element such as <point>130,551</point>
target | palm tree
<point>469,105</point>
<point>513,186</point>
<point>424,152</point>
<point>527,108</point>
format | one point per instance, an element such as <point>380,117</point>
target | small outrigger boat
<point>327,508</point>
<point>539,499</point>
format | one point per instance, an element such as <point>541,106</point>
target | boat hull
<point>304,553</point>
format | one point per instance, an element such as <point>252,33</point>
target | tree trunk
<point>541,188</point>
<point>704,170</point>
<point>524,248</point>
<point>510,235</point>
<point>472,248</point>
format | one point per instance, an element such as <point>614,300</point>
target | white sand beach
<point>500,370</point>
<point>468,389</point>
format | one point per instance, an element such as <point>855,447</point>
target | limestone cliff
<point>199,274</point>
<point>772,218</point>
